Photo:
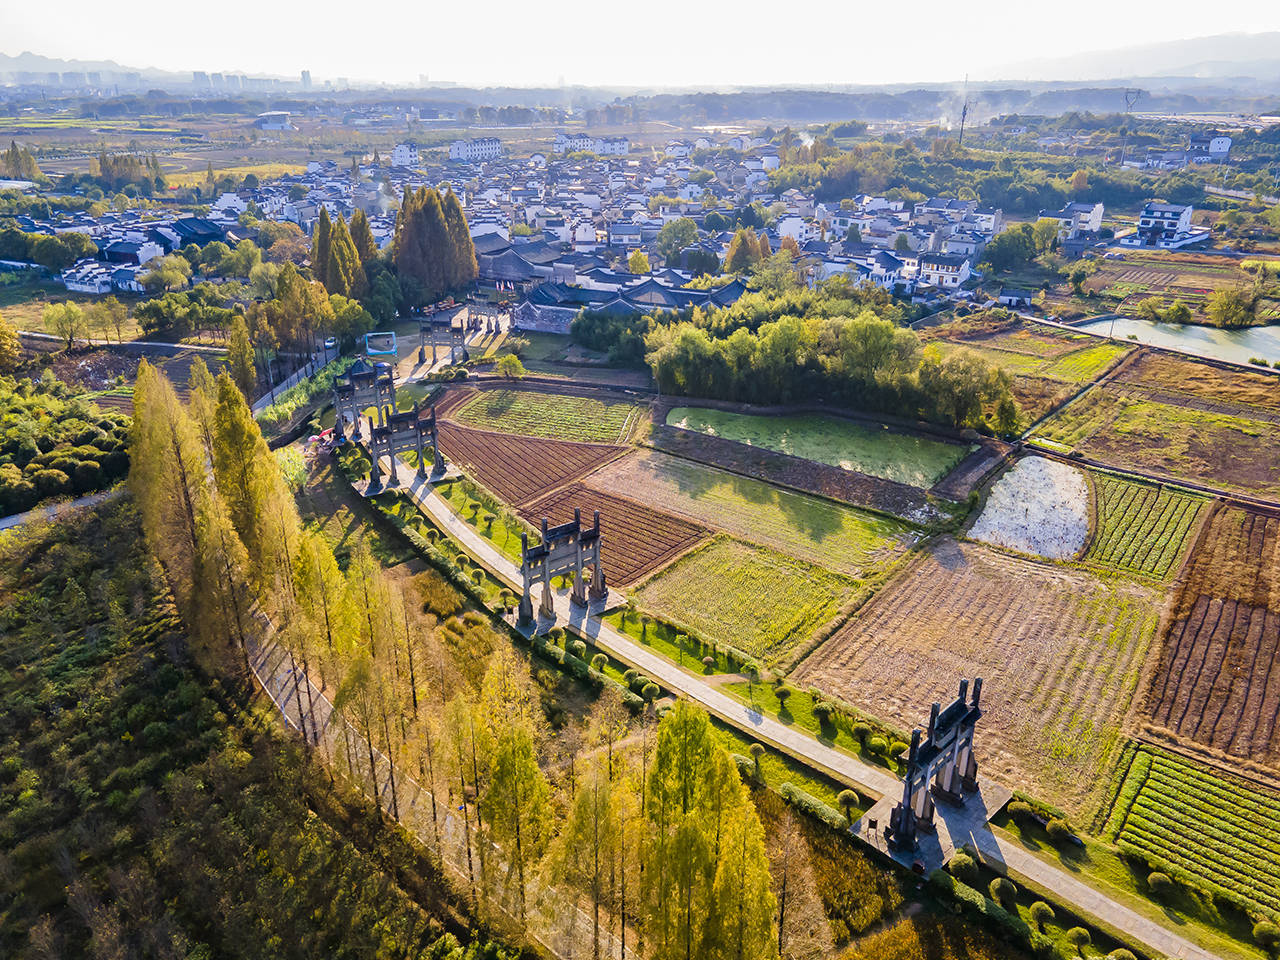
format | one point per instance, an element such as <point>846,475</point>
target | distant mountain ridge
<point>1253,56</point>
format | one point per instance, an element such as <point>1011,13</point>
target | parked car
<point>331,343</point>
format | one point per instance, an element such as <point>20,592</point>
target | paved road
<point>55,509</point>
<point>870,780</point>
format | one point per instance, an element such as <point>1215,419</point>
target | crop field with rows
<point>519,469</point>
<point>1212,831</point>
<point>833,536</point>
<point>551,415</point>
<point>1060,650</point>
<point>759,601</point>
<point>1217,684</point>
<point>1141,527</point>
<point>634,539</point>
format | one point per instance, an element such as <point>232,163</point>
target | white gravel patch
<point>1040,507</point>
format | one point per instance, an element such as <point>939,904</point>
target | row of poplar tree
<point>662,839</point>
<point>431,252</point>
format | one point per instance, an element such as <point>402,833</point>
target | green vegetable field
<point>759,601</point>
<point>1142,527</point>
<point>1210,831</point>
<point>548,415</point>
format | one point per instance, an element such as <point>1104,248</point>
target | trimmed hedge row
<point>808,804</point>
<point>982,908</point>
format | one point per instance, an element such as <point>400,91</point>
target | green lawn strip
<point>1011,361</point>
<point>777,768</point>
<point>555,416</point>
<point>762,602</point>
<point>813,528</point>
<point>836,732</point>
<point>671,642</point>
<point>876,451</point>
<point>1123,880</point>
<point>474,507</point>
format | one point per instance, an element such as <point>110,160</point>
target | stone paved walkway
<point>969,825</point>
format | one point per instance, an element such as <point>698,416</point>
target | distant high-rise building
<point>306,79</point>
<point>95,79</point>
<point>200,79</point>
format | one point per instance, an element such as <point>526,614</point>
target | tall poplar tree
<point>320,246</point>
<point>168,478</point>
<point>362,237</point>
<point>240,356</point>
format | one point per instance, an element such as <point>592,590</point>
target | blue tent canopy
<point>380,344</point>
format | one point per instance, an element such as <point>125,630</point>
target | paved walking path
<point>956,827</point>
<point>49,511</point>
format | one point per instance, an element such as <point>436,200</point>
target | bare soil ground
<point>520,469</point>
<point>1218,680</point>
<point>1059,650</point>
<point>635,539</point>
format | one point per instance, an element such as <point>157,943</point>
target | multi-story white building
<point>405,155</point>
<point>480,148</point>
<point>1209,146</point>
<point>946,270</point>
<point>611,146</point>
<point>572,142</point>
<point>1076,218</point>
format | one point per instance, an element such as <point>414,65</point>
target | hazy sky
<point>661,42</point>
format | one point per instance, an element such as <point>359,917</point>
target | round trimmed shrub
<point>1058,830</point>
<point>1020,811</point>
<point>578,649</point>
<point>1079,938</point>
<point>822,711</point>
<point>1041,913</point>
<point>877,746</point>
<point>599,662</point>
<point>964,868</point>
<point>860,732</point>
<point>709,662</point>
<point>1003,892</point>
<point>1267,934</point>
<point>1161,884</point>
<point>1121,954</point>
<point>650,691</point>
<point>897,749</point>
<point>848,800</point>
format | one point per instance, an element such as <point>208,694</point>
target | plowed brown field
<point>634,539</point>
<point>520,469</point>
<point>1218,682</point>
<point>1059,650</point>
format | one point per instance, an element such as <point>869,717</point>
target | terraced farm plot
<point>1060,652</point>
<point>519,469</point>
<point>1202,384</point>
<point>1141,527</point>
<point>1169,440</point>
<point>839,538</point>
<point>1058,358</point>
<point>1216,831</point>
<point>1218,680</point>
<point>760,601</point>
<point>903,457</point>
<point>551,415</point>
<point>634,539</point>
